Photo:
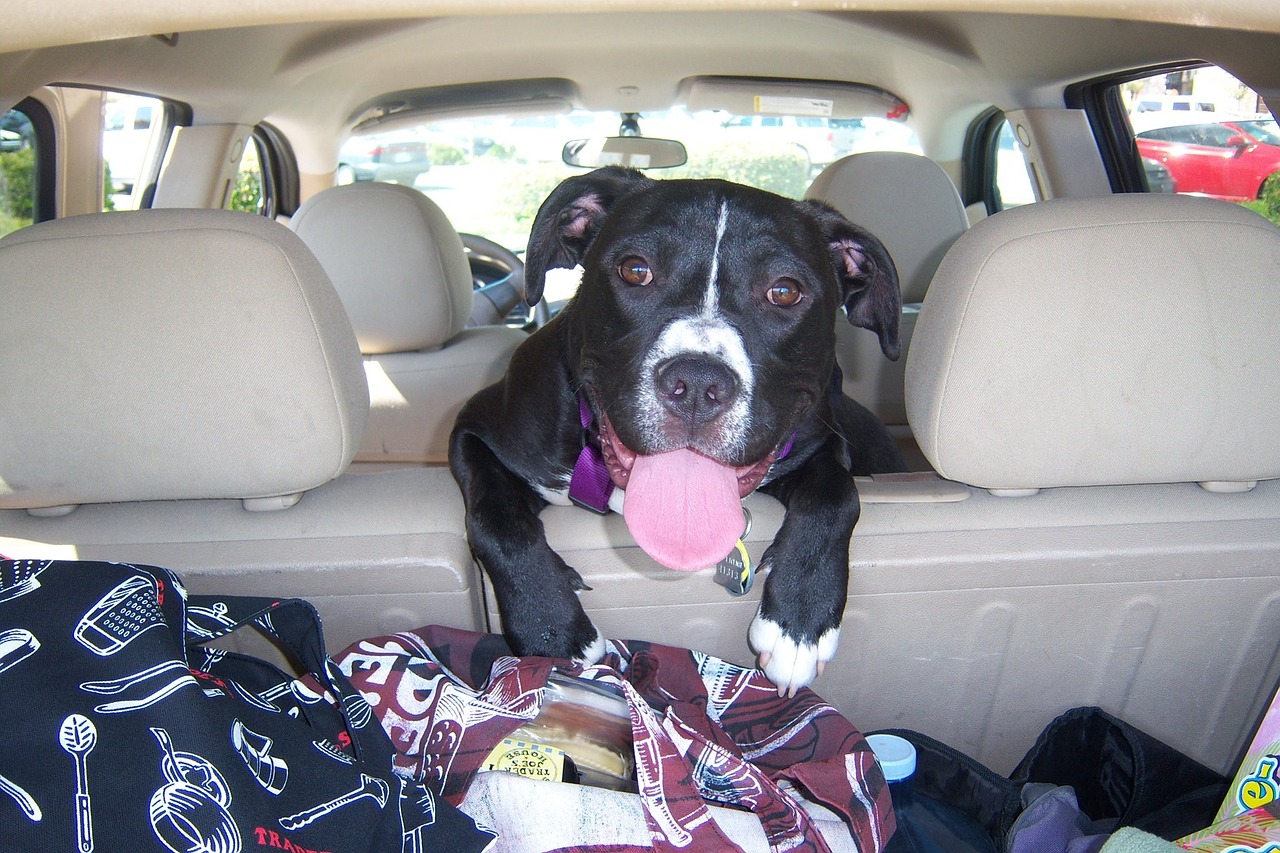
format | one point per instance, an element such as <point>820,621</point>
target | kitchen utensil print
<point>374,789</point>
<point>20,577</point>
<point>330,749</point>
<point>417,815</point>
<point>16,645</point>
<point>209,622</point>
<point>189,812</point>
<point>271,771</point>
<point>173,673</point>
<point>120,616</point>
<point>78,736</point>
<point>25,801</point>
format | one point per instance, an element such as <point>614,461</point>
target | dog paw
<point>786,661</point>
<point>593,652</point>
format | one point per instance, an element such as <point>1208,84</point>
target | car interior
<point>244,362</point>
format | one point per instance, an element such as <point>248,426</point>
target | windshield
<point>490,174</point>
<point>1262,131</point>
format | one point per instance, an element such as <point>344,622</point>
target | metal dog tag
<point>735,572</point>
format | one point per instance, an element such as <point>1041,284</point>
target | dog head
<point>706,314</point>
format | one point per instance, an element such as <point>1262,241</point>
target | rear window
<point>490,174</point>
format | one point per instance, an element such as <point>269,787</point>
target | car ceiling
<point>309,76</point>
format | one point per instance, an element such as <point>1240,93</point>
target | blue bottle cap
<point>897,756</point>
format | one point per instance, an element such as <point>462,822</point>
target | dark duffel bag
<point>124,733</point>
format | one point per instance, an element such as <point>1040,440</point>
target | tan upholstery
<point>906,200</point>
<point>228,314</point>
<point>1102,341</point>
<point>401,271</point>
<point>204,355</point>
<point>910,203</point>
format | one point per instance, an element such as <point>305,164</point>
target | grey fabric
<point>166,354</point>
<point>1113,340</point>
<point>906,200</point>
<point>396,261</point>
<point>401,271</point>
<point>910,203</point>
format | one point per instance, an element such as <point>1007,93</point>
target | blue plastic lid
<point>897,756</point>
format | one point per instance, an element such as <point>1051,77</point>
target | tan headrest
<point>1125,339</point>
<point>904,199</point>
<point>164,354</point>
<point>396,261</point>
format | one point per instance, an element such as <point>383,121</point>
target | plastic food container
<point>590,723</point>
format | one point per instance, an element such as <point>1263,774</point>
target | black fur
<point>522,434</point>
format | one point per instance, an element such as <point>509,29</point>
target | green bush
<point>108,189</point>
<point>18,184</point>
<point>444,154</point>
<point>783,169</point>
<point>247,196</point>
<point>1268,203</point>
<point>527,188</point>
<point>500,151</point>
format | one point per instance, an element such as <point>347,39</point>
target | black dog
<point>698,359</point>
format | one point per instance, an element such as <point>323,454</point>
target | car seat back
<point>402,273</point>
<point>910,203</point>
<point>170,376</point>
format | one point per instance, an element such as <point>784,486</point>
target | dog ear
<point>569,220</point>
<point>868,278</point>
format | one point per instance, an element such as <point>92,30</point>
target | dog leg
<point>535,589</point>
<point>797,627</point>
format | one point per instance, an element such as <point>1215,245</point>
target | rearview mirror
<point>637,152</point>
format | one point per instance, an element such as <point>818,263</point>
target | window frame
<point>1100,99</point>
<point>978,165</point>
<point>44,206</point>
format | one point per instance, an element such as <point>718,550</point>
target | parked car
<point>1174,103</point>
<point>11,140</point>
<point>1226,159</point>
<point>398,158</point>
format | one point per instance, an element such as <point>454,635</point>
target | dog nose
<point>695,388</point>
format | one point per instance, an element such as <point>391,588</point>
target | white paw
<point>789,663</point>
<point>593,652</point>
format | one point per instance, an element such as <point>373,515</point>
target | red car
<point>1223,159</point>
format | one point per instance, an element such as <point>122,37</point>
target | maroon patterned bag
<point>704,731</point>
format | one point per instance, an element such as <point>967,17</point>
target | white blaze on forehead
<point>707,333</point>
<point>711,301</point>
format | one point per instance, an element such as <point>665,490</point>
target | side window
<point>1012,177</point>
<point>1199,130</point>
<point>134,135</point>
<point>248,195</point>
<point>18,152</point>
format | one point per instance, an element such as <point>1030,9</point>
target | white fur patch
<point>711,300</point>
<point>594,651</point>
<point>786,662</point>
<point>704,335</point>
<point>555,497</point>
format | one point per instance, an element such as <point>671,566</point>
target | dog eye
<point>635,271</point>
<point>785,293</point>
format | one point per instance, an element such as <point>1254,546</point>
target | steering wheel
<point>494,301</point>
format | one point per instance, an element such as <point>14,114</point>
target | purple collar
<point>590,485</point>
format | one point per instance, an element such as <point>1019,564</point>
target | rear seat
<point>399,267</point>
<point>1101,358</point>
<point>910,203</point>
<point>182,387</point>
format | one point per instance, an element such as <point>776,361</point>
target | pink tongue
<point>683,509</point>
